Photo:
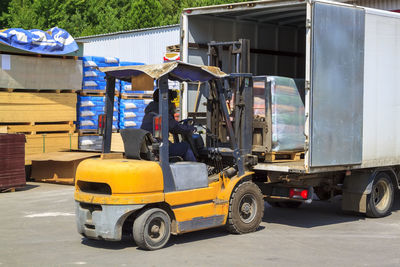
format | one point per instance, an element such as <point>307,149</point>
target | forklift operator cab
<point>147,195</point>
<point>178,149</point>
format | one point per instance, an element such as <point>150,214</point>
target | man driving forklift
<point>181,149</point>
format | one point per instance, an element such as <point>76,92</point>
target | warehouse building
<point>143,45</point>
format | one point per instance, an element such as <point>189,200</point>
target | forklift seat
<point>136,144</point>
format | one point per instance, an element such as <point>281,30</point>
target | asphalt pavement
<point>37,228</point>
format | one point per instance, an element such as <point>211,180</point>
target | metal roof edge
<point>86,38</point>
<point>233,5</point>
<point>250,3</point>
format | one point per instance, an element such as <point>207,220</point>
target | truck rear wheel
<point>152,229</point>
<point>246,209</point>
<point>380,200</point>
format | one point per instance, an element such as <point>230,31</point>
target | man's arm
<point>177,128</point>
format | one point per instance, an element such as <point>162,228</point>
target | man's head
<point>171,95</point>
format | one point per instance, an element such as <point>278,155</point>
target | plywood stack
<point>12,167</point>
<point>47,119</point>
<point>38,98</point>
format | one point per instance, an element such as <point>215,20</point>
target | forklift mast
<point>110,94</point>
<point>234,98</point>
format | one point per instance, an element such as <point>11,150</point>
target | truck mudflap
<point>97,221</point>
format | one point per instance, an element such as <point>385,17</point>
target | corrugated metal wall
<point>380,4</point>
<point>147,46</point>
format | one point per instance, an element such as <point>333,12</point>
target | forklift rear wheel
<point>246,209</point>
<point>380,200</point>
<point>152,229</point>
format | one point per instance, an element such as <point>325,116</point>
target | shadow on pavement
<point>26,187</point>
<point>126,242</point>
<point>318,213</point>
<point>201,235</point>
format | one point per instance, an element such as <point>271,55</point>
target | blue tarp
<point>55,41</point>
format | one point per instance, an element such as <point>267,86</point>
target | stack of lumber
<point>12,161</point>
<point>38,98</point>
<point>46,118</point>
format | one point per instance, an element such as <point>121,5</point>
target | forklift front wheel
<point>152,229</point>
<point>246,209</point>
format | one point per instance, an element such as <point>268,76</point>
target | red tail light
<point>101,124</point>
<point>298,193</point>
<point>157,127</point>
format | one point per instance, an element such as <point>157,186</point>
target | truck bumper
<point>97,221</point>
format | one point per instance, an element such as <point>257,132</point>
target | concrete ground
<point>37,228</point>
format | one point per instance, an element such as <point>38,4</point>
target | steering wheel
<point>187,122</point>
<point>189,138</point>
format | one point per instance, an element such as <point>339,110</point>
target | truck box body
<point>348,56</point>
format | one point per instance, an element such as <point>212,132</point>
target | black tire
<point>322,194</point>
<point>152,229</point>
<point>246,209</point>
<point>285,204</point>
<point>380,200</point>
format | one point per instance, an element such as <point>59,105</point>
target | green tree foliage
<point>87,17</point>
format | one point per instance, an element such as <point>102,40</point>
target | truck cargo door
<point>336,96</point>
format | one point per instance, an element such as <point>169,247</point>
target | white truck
<point>349,59</point>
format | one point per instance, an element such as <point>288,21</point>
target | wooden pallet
<point>5,190</point>
<point>38,55</point>
<point>55,91</point>
<point>283,156</point>
<point>92,93</point>
<point>96,93</point>
<point>136,96</point>
<point>85,132</point>
<point>174,48</point>
<point>63,181</point>
<point>40,127</point>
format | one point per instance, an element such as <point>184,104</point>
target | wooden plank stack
<point>43,107</point>
<point>12,161</point>
<point>46,118</point>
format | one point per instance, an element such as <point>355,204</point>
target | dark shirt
<point>174,127</point>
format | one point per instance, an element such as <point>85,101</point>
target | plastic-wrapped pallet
<point>93,79</point>
<point>90,107</point>
<point>91,142</point>
<point>131,112</point>
<point>288,117</point>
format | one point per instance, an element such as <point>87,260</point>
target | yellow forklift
<point>148,194</point>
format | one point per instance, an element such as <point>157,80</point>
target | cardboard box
<point>58,166</point>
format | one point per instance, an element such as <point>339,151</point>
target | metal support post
<point>110,93</point>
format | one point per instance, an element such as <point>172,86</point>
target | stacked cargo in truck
<point>350,87</point>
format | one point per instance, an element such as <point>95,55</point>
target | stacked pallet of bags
<point>131,112</point>
<point>288,117</point>
<point>132,103</point>
<point>93,79</point>
<point>126,87</point>
<point>89,109</point>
